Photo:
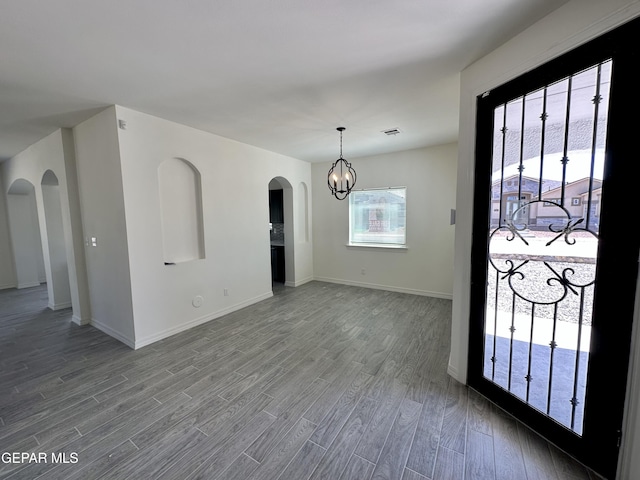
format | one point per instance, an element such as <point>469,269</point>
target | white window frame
<point>393,229</point>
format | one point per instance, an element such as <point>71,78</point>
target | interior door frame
<point>598,447</point>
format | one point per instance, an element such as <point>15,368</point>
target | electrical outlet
<point>363,272</point>
<point>226,292</point>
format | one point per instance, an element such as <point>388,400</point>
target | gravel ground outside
<point>538,283</point>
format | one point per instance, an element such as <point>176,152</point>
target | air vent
<point>391,131</point>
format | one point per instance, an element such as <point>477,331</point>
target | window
<point>378,216</point>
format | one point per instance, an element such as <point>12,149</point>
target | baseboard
<point>453,372</point>
<point>299,282</point>
<point>28,285</point>
<point>390,288</point>
<point>113,333</point>
<point>59,306</point>
<point>80,321</point>
<point>7,285</point>
<point>143,342</point>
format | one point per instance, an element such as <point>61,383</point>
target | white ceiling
<point>278,74</point>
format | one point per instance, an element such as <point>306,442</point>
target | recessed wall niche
<point>303,219</point>
<point>180,191</point>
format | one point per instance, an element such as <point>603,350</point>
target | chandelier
<point>342,177</point>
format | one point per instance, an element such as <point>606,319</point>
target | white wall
<point>425,268</point>
<point>571,25</point>
<point>103,218</point>
<point>70,203</point>
<point>7,271</point>
<point>53,153</point>
<point>235,177</point>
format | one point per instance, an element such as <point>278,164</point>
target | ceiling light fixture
<point>342,177</point>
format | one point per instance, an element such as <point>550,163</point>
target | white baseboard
<point>198,321</point>
<point>453,372</point>
<point>80,321</point>
<point>113,333</point>
<point>390,288</point>
<point>7,285</point>
<point>299,282</point>
<point>28,285</point>
<point>59,306</point>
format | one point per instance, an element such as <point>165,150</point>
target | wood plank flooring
<point>321,381</point>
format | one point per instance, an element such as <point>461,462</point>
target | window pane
<point>378,216</point>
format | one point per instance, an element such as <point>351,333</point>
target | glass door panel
<point>547,172</point>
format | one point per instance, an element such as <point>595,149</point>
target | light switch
<point>94,242</point>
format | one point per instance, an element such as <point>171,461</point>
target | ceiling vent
<point>391,131</point>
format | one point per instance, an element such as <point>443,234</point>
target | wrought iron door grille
<point>548,164</point>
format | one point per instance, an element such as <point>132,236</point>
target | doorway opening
<point>25,234</point>
<point>549,261</point>
<point>281,233</point>
<point>38,239</point>
<point>54,242</point>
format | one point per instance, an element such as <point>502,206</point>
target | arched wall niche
<point>180,190</point>
<point>303,213</point>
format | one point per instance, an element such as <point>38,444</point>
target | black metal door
<point>554,262</point>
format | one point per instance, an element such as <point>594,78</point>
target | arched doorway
<point>54,244</point>
<point>281,232</point>
<point>25,234</point>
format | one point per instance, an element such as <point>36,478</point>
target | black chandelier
<point>342,177</point>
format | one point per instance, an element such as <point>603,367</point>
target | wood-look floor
<point>322,381</point>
